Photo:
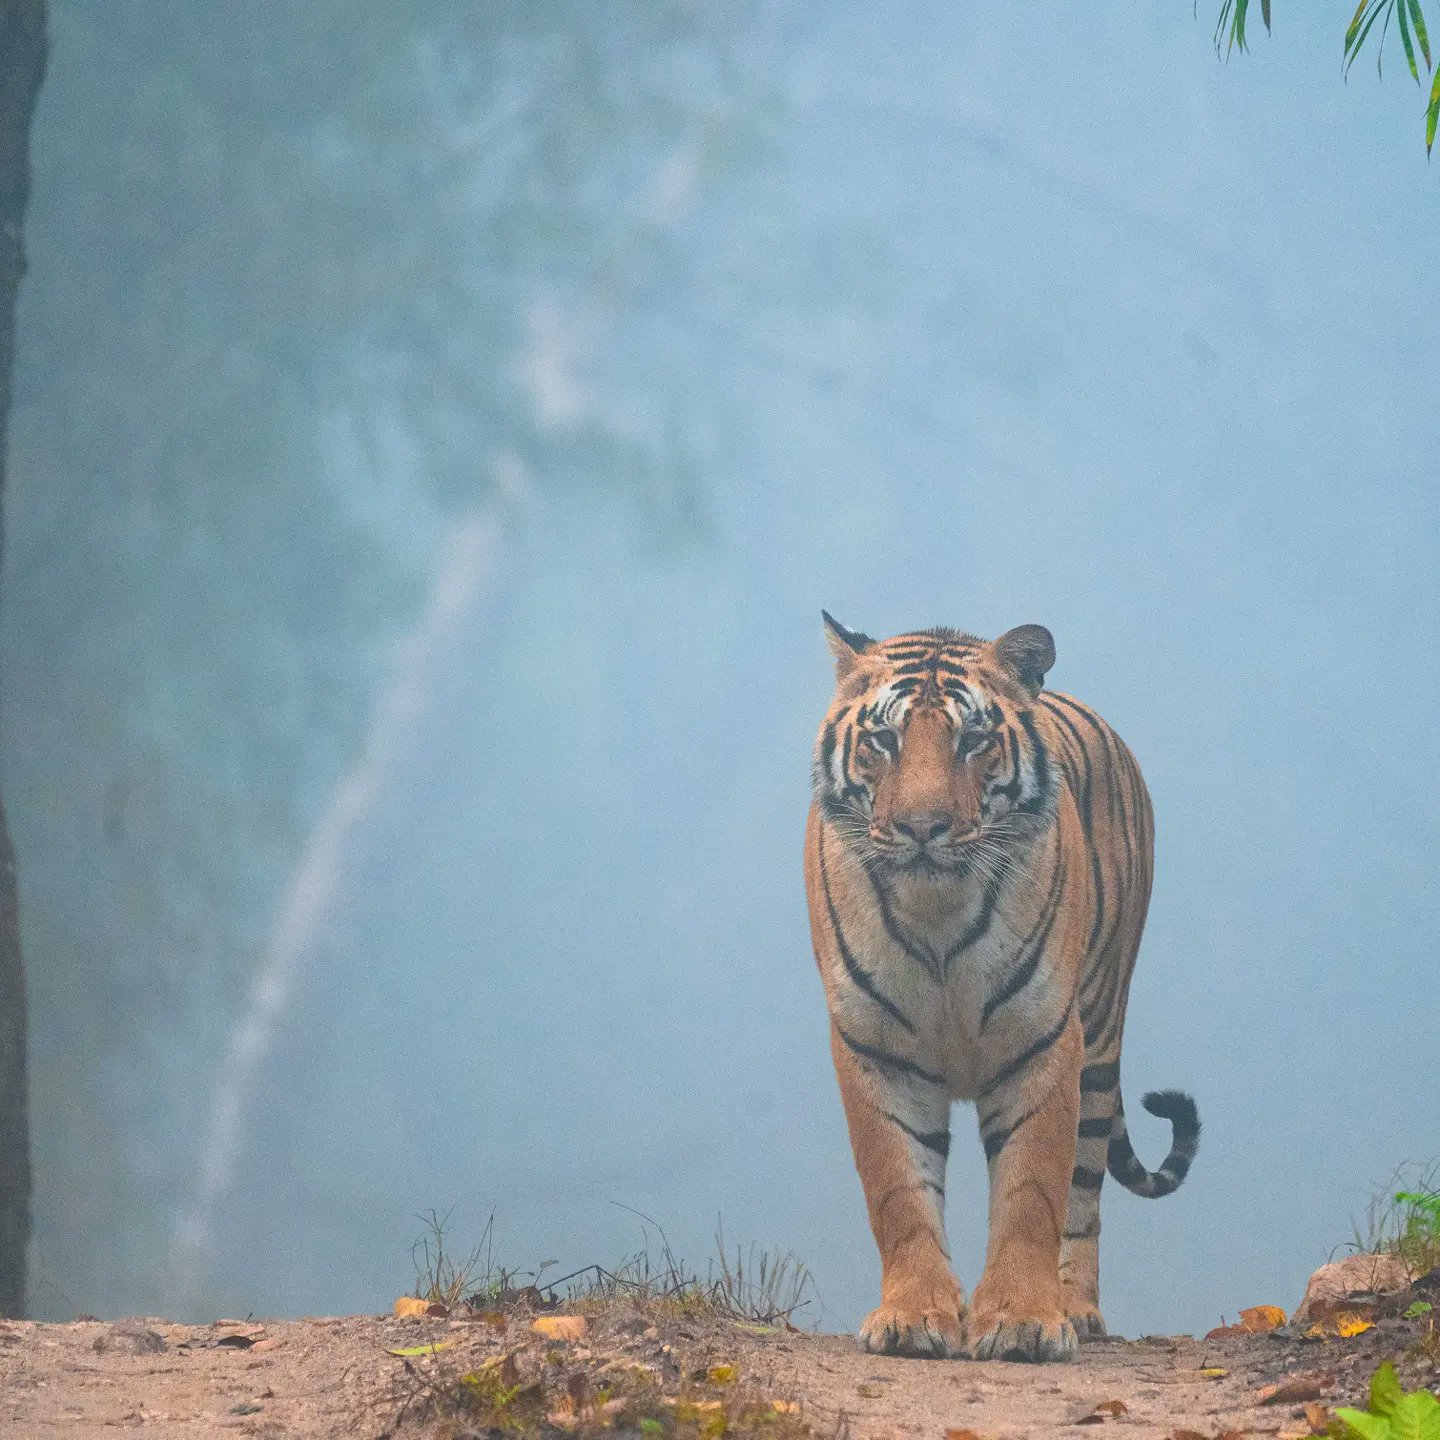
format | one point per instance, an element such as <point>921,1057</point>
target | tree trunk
<point>22,64</point>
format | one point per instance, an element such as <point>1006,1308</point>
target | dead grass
<point>747,1284</point>
<point>650,1299</point>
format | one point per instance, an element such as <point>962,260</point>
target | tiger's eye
<point>975,742</point>
<point>885,741</point>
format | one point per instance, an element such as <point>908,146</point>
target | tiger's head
<point>929,762</point>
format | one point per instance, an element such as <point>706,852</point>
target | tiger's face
<point>928,763</point>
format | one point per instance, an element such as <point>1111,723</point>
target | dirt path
<point>300,1379</point>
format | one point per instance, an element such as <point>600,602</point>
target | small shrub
<point>1393,1415</point>
<point>1405,1221</point>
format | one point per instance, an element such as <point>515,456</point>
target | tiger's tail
<point>1179,1109</point>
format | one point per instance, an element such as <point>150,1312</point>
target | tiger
<point>978,864</point>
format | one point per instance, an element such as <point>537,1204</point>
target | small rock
<point>1353,1280</point>
<point>129,1338</point>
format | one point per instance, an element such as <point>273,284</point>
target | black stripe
<point>996,1142</point>
<point>1126,1167</point>
<point>1087,813</point>
<point>892,1062</point>
<point>936,1140</point>
<point>827,754</point>
<point>857,972</point>
<point>1100,1077</point>
<point>1042,766</point>
<point>1087,820</point>
<point>916,667</point>
<point>919,954</point>
<point>978,926</point>
<point>1032,948</point>
<point>1083,1179</point>
<point>1025,1057</point>
<point>1088,1233</point>
<point>1096,1129</point>
<point>1099,1007</point>
<point>1009,745</point>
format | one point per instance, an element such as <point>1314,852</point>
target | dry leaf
<point>412,1305</point>
<point>870,1392</point>
<point>1105,1410</point>
<point>789,1407</point>
<point>720,1374</point>
<point>561,1327</point>
<point>961,1435</point>
<point>1260,1319</point>
<point>408,1350</point>
<point>1293,1390</point>
<point>1317,1416</point>
<point>1213,1372</point>
<point>1340,1323</point>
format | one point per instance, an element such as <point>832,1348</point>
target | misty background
<point>437,429</point>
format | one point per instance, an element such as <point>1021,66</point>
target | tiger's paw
<point>926,1334</point>
<point>1004,1334</point>
<point>1087,1321</point>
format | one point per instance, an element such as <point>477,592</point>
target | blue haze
<point>876,308</point>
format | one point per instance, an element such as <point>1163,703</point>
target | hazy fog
<point>436,435</point>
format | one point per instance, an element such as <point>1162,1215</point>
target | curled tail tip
<point>1175,1106</point>
<point>1180,1110</point>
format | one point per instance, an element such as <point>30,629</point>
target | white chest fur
<point>937,951</point>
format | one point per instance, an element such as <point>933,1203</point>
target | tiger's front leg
<point>899,1120</point>
<point>1028,1123</point>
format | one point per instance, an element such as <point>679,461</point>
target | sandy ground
<point>335,1377</point>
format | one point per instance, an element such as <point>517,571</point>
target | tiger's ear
<point>844,644</point>
<point>1027,652</point>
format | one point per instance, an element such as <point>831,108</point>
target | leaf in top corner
<point>1417,19</point>
<point>1380,7</point>
<point>1354,24</point>
<point>1432,112</point>
<point>1402,9</point>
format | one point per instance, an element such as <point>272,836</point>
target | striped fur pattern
<point>978,863</point>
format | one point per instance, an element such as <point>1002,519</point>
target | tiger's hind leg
<point>1080,1246</point>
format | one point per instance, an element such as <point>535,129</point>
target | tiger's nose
<point>923,826</point>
